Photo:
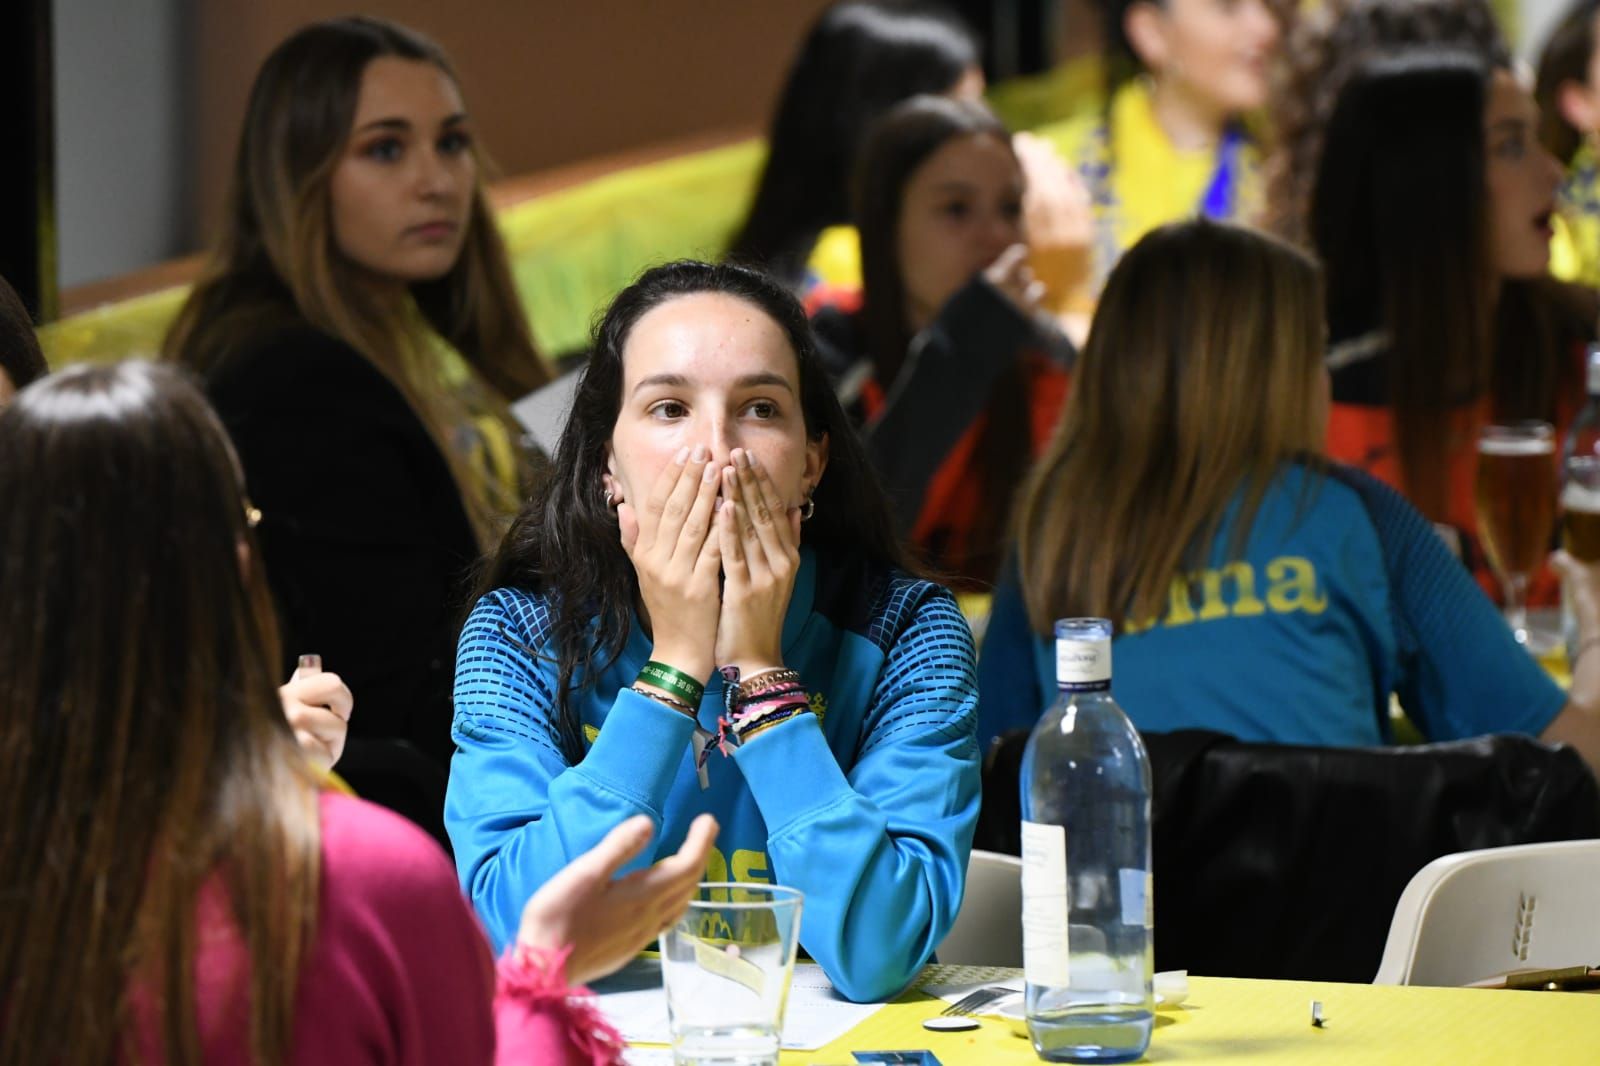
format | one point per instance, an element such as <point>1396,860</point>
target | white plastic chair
<point>1475,914</point>
<point>988,928</point>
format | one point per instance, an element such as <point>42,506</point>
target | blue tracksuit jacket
<point>867,806</point>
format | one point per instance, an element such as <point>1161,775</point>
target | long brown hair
<point>145,747</point>
<point>277,260</point>
<point>1201,375</point>
<point>1399,218</point>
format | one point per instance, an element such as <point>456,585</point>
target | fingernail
<point>700,453</point>
<point>682,455</point>
<point>751,460</point>
<point>710,474</point>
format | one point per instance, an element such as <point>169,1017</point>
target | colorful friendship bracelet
<point>672,680</point>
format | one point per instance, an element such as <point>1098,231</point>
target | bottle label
<point>1083,665</point>
<point>1044,904</point>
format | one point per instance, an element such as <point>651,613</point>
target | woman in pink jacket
<point>177,885</point>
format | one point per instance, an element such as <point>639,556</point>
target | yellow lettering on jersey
<point>1245,604</point>
<point>716,870</point>
<point>1294,586</point>
<point>747,866</point>
<point>1179,611</point>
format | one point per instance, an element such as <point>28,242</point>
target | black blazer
<point>367,546</point>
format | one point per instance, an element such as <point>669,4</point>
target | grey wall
<point>122,149</point>
<point>1538,18</point>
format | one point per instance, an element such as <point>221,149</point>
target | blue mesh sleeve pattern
<point>508,777</point>
<point>881,851</point>
<point>1461,674</point>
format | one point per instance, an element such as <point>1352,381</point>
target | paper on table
<point>636,1003</point>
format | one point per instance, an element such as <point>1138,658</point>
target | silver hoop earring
<point>611,500</point>
<point>809,509</point>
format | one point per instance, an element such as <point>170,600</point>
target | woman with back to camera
<point>180,888</point>
<point>1433,196</point>
<point>704,611</point>
<point>950,365</point>
<point>359,334</point>
<point>317,703</point>
<point>858,60</point>
<point>1257,589</point>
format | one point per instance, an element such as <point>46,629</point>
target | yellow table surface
<point>1265,1022</point>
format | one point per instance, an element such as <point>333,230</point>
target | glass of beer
<point>1580,508</point>
<point>1515,495</point>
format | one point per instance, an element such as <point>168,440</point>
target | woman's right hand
<point>1011,275</point>
<point>678,562</point>
<point>608,922</point>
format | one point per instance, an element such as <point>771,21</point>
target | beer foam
<point>1516,446</point>
<point>1576,497</point>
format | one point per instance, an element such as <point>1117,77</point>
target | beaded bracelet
<point>765,682</point>
<point>673,680</point>
<point>661,697</point>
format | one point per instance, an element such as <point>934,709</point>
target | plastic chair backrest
<point>1475,914</point>
<point>988,929</point>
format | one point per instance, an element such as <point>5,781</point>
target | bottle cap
<point>1083,654</point>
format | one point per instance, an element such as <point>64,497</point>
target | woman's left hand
<point>760,536</point>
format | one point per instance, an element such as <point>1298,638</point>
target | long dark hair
<point>277,260</point>
<point>1399,217</point>
<point>898,145</point>
<point>858,60</point>
<point>1565,57</point>
<point>1324,49</point>
<point>20,358</point>
<point>145,747</point>
<point>565,545</point>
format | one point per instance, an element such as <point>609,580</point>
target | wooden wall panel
<point>548,82</point>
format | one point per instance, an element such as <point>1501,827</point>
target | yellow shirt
<point>1575,248</point>
<point>1137,180</point>
<point>836,259</point>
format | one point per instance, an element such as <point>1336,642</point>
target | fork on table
<point>974,1002</point>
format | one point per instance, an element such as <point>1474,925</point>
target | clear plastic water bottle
<point>1087,944</point>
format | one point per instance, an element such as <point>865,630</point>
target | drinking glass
<point>1515,494</point>
<point>726,964</point>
